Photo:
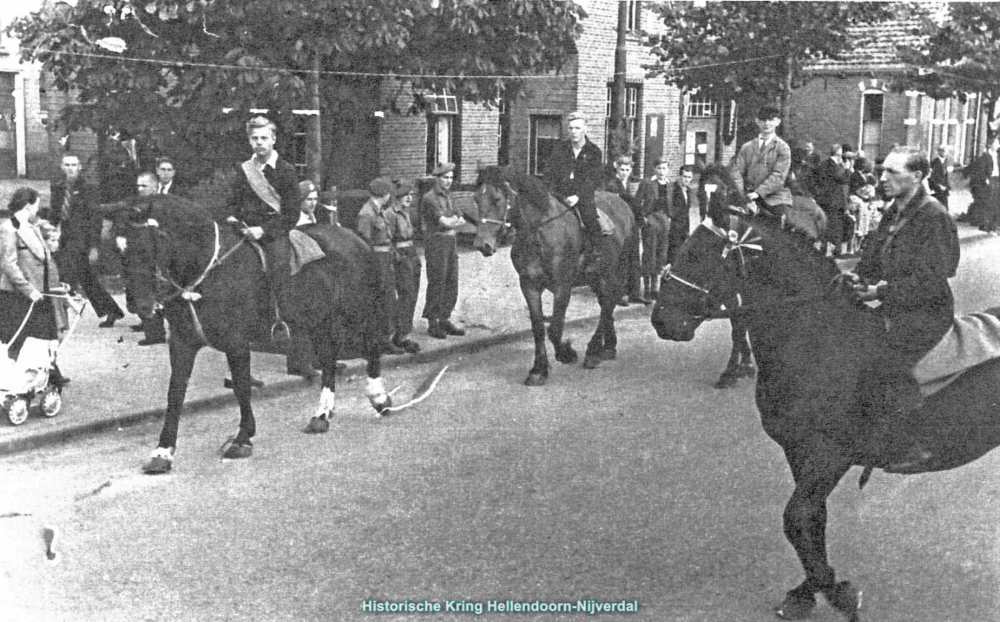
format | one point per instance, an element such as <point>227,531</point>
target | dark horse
<point>815,345</point>
<point>210,284</point>
<point>805,216</point>
<point>548,255</point>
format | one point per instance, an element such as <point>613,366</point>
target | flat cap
<point>328,198</point>
<point>380,187</point>
<point>441,169</point>
<point>401,188</point>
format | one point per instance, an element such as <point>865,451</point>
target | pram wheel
<point>50,402</point>
<point>17,410</point>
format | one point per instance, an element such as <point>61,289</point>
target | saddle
<point>973,339</point>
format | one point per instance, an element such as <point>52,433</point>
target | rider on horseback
<point>575,172</point>
<point>906,267</point>
<point>264,202</point>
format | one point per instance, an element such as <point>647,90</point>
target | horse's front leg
<point>817,467</point>
<point>239,367</point>
<point>560,302</point>
<point>732,371</point>
<point>539,371</point>
<point>603,346</point>
<point>182,357</point>
<point>326,348</point>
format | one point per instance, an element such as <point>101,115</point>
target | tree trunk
<point>314,131</point>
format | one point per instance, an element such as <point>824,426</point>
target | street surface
<point>634,481</point>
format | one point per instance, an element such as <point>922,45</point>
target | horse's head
<point>705,276</point>
<point>163,234</point>
<point>718,192</point>
<point>493,199</point>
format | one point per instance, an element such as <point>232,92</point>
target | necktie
<point>163,189</point>
<point>64,214</point>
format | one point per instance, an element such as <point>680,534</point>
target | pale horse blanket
<point>973,339</point>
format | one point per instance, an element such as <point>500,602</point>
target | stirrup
<point>280,333</point>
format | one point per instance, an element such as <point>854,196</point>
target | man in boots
<point>575,172</point>
<point>906,268</point>
<point>377,226</point>
<point>441,222</point>
<point>407,270</point>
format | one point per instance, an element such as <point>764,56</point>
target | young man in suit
<point>73,210</point>
<point>654,208</point>
<point>619,184</point>
<point>762,165</point>
<point>680,211</point>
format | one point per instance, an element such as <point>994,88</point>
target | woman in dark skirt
<point>26,268</point>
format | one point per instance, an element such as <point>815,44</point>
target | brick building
<point>24,139</point>
<point>851,101</point>
<point>662,119</point>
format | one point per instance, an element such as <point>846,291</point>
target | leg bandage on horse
<point>376,393</point>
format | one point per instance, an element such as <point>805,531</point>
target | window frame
<point>443,108</point>
<point>535,158</point>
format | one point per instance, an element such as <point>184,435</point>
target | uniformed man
<point>441,221</point>
<point>377,226</point>
<point>407,267</point>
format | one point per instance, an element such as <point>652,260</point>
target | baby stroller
<point>28,377</point>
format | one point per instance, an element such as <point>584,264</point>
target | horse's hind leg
<point>326,347</point>
<point>239,366</point>
<point>377,395</point>
<point>817,467</point>
<point>182,357</point>
<point>603,346</point>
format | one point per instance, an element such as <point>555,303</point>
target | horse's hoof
<point>796,606</point>
<point>726,381</point>
<point>380,409</point>
<point>238,451</point>
<point>317,426</point>
<point>535,380</point>
<point>609,354</point>
<point>157,466</point>
<point>846,599</point>
<point>566,354</point>
<point>591,361</point>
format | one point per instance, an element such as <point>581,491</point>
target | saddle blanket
<point>304,250</point>
<point>972,339</point>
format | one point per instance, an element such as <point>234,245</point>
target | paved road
<point>634,481</point>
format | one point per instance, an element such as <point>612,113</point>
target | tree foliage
<point>960,55</point>
<point>166,70</point>
<point>753,52</point>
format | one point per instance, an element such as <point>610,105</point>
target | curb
<point>470,346</point>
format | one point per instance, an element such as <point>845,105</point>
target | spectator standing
<point>990,162</point>
<point>73,211</point>
<point>620,185</point>
<point>377,226</point>
<point>762,164</point>
<point>166,173</point>
<point>441,221</point>
<point>26,271</point>
<point>153,325</point>
<point>407,267</point>
<point>830,186</point>
<point>938,181</point>
<point>575,172</point>
<point>680,211</point>
<point>653,206</point>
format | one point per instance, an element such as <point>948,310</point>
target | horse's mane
<point>797,251</point>
<point>534,191</point>
<point>495,176</point>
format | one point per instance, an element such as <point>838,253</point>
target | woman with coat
<point>26,271</point>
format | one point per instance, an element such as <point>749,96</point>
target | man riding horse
<point>264,203</point>
<point>906,267</point>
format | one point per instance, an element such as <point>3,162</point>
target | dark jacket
<point>251,209</point>
<point>435,205</point>
<point>938,179</point>
<point>916,253</point>
<point>830,186</point>
<point>81,231</point>
<point>580,175</point>
<point>680,208</point>
<point>648,199</point>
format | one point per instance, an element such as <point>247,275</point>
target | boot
<point>902,396</point>
<point>451,329</point>
<point>434,329</point>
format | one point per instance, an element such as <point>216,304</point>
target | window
<point>871,124</point>
<point>701,108</point>
<point>443,123</point>
<point>630,114</point>
<point>634,13</point>
<point>546,131</point>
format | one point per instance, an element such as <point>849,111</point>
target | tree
<point>960,55</point>
<point>169,70</point>
<point>753,52</point>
